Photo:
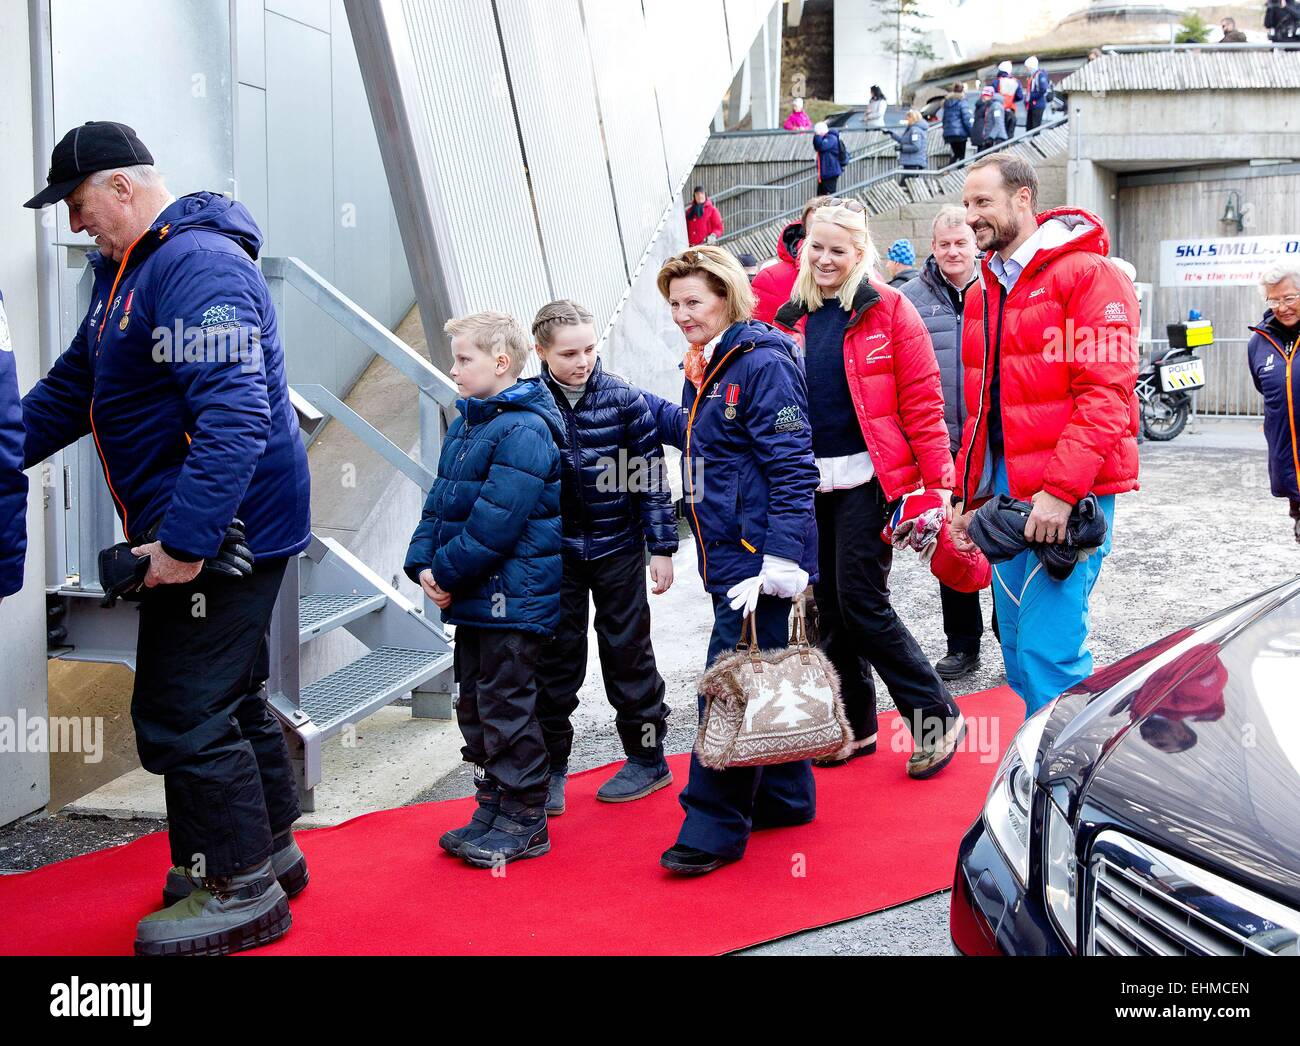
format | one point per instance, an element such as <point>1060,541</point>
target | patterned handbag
<point>773,706</point>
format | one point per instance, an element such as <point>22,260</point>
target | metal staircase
<point>327,589</point>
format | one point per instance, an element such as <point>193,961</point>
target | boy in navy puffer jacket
<point>487,552</point>
<point>615,501</point>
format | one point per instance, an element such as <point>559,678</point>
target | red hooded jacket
<point>699,229</point>
<point>773,284</point>
<point>1065,340</point>
<point>894,381</point>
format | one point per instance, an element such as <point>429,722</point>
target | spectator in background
<point>990,127</point>
<point>798,119</point>
<point>911,142</point>
<point>831,157</point>
<point>1094,54</point>
<point>703,222</point>
<point>958,123</point>
<point>1040,93</point>
<point>874,117</point>
<point>749,263</point>
<point>1010,91</point>
<point>900,263</point>
<point>1231,34</point>
<point>1271,355</point>
<point>775,280</point>
<point>939,294</point>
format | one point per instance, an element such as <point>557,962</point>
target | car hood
<point>1193,744</point>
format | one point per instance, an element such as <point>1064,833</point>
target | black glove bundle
<point>998,528</point>
<point>122,573</point>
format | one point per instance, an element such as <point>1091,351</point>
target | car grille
<point>1143,901</point>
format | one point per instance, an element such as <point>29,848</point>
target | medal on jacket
<point>126,311</point>
<point>733,397</point>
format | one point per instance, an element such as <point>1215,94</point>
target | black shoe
<point>519,832</point>
<point>635,780</point>
<point>686,860</point>
<point>839,759</point>
<point>489,804</point>
<point>957,664</point>
<point>555,792</point>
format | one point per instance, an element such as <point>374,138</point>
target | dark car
<point>856,119</point>
<point>1155,807</point>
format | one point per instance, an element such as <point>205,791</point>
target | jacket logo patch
<point>1115,312</point>
<point>1036,292</point>
<point>789,419</point>
<point>218,314</point>
<point>713,392</point>
<point>1268,362</point>
<point>880,352</point>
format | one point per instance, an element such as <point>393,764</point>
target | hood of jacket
<point>791,239</point>
<point>206,211</point>
<point>1061,230</point>
<point>527,394</point>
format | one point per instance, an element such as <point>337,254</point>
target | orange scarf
<point>694,365</point>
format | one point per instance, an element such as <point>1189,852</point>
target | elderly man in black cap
<point>178,373</point>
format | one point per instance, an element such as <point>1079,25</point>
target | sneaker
<point>635,780</point>
<point>555,792</point>
<point>489,804</point>
<point>686,860</point>
<point>287,861</point>
<point>519,832</point>
<point>957,664</point>
<point>223,914</point>
<point>857,749</point>
<point>928,759</point>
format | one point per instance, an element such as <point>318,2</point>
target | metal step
<point>368,684</point>
<point>324,612</point>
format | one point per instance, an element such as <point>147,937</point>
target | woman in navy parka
<point>749,478</point>
<point>1276,373</point>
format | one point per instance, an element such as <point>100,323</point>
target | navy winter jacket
<point>990,123</point>
<point>749,479</point>
<point>957,119</point>
<point>911,145</point>
<point>178,372</point>
<point>13,481</point>
<point>614,492</point>
<point>1040,86</point>
<point>831,154</point>
<point>1275,368</point>
<point>931,295</point>
<point>490,530</point>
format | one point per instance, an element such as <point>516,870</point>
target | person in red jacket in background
<point>703,222</point>
<point>775,280</point>
<point>1049,346</point>
<point>875,408</point>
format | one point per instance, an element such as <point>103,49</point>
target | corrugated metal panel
<point>618,44</point>
<point>464,102</point>
<point>1187,71</point>
<point>559,122</point>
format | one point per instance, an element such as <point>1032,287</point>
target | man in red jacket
<point>1049,346</point>
<point>703,222</point>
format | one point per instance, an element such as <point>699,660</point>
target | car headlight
<point>1062,873</point>
<point>1006,811</point>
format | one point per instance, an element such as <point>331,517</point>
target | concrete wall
<point>24,778</point>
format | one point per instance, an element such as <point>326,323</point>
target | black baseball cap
<point>99,145</point>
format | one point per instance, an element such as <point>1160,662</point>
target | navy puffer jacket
<point>1275,368</point>
<point>929,292</point>
<point>13,482</point>
<point>614,490</point>
<point>490,530</point>
<point>957,119</point>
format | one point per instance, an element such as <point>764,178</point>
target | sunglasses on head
<point>852,205</point>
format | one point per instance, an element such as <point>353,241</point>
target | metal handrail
<point>899,172</point>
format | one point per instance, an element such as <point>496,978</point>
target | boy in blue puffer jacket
<point>487,552</point>
<point>615,500</point>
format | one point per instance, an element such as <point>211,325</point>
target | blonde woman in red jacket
<point>875,406</point>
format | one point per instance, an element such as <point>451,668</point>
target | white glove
<point>782,577</point>
<point>744,594</point>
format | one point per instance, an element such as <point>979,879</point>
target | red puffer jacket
<point>1065,339</point>
<point>773,284</point>
<point>894,381</point>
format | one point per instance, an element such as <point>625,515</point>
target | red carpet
<point>381,886</point>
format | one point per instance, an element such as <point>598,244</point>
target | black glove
<point>233,559</point>
<point>121,573</point>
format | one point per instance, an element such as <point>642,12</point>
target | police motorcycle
<point>1165,386</point>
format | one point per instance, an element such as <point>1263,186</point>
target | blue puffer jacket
<point>929,292</point>
<point>13,481</point>
<point>1040,86</point>
<point>178,372</point>
<point>1275,368</point>
<point>957,119</point>
<point>490,531</point>
<point>614,493</point>
<point>831,154</point>
<point>749,478</point>
<point>911,145</point>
